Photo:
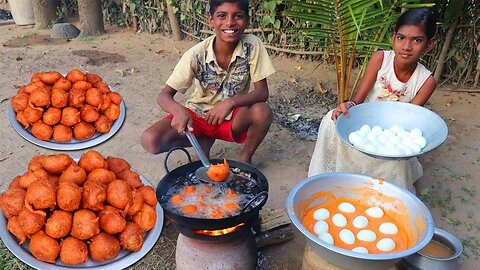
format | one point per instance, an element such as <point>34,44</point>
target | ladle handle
<point>198,148</point>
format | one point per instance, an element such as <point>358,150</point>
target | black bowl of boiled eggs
<point>391,130</point>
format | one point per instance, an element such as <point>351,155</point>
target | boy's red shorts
<point>222,131</point>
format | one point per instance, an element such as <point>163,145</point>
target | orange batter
<point>402,238</point>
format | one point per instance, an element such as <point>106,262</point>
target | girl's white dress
<point>331,154</point>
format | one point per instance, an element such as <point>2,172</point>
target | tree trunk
<point>446,45</point>
<point>177,35</point>
<point>91,17</point>
<point>45,12</point>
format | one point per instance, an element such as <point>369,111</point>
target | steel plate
<point>73,144</point>
<point>388,113</point>
<point>124,259</point>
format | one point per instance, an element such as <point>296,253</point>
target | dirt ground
<point>138,64</point>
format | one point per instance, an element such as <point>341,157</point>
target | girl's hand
<point>342,108</point>
<point>181,120</point>
<point>217,114</point>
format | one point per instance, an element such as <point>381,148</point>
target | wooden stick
<point>274,237</point>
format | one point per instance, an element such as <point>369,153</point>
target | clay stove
<point>230,248</point>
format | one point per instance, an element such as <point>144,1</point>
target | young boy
<point>221,106</point>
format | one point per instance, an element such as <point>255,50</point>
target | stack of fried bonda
<point>71,210</point>
<point>63,108</point>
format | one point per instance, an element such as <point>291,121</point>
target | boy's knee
<point>148,142</point>
<point>262,112</point>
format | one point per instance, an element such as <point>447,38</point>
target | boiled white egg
<point>377,130</point>
<point>420,141</point>
<point>320,227</point>
<point>388,228</point>
<point>371,137</point>
<point>321,214</point>
<point>403,133</point>
<point>339,220</point>
<point>360,250</point>
<point>388,133</point>
<point>386,244</point>
<point>326,237</point>
<point>416,132</point>
<point>366,129</point>
<point>353,137</point>
<point>347,236</point>
<point>346,207</point>
<point>383,139</point>
<point>415,148</point>
<point>395,140</point>
<point>360,222</point>
<point>360,143</point>
<point>371,148</point>
<point>375,212</point>
<point>366,235</point>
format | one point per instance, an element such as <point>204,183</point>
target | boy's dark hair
<point>215,3</point>
<point>418,16</point>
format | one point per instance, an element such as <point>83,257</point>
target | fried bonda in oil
<point>149,196</point>
<point>31,222</point>
<point>56,164</point>
<point>92,160</point>
<point>40,195</point>
<point>103,124</point>
<point>115,98</point>
<point>59,224</point>
<point>94,195</point>
<point>69,196</point>
<point>119,194</point>
<point>101,175</point>
<point>81,85</point>
<point>12,201</point>
<point>219,172</point>
<point>104,247</point>
<point>62,133</point>
<point>146,217</point>
<point>44,247</point>
<point>131,177</point>
<point>85,224</point>
<point>83,130</point>
<point>117,165</point>
<point>13,226</point>
<point>111,221</point>
<point>31,176</point>
<point>42,131</point>
<point>93,78</point>
<point>73,251</point>
<point>132,237</point>
<point>102,86</point>
<point>106,103</point>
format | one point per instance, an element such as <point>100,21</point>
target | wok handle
<point>168,155</point>
<point>259,199</point>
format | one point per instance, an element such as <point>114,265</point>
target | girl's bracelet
<point>352,104</point>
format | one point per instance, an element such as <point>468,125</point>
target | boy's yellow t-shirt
<point>250,63</point>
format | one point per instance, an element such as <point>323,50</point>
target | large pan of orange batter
<point>327,190</point>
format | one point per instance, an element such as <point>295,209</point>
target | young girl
<point>390,75</point>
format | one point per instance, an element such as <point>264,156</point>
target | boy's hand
<point>181,120</point>
<point>217,114</point>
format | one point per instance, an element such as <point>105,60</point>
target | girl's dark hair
<point>215,3</point>
<point>418,16</point>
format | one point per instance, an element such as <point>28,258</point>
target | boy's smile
<point>229,21</point>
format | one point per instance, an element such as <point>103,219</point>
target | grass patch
<point>8,261</point>
<point>85,38</point>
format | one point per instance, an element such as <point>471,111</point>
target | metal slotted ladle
<point>201,172</point>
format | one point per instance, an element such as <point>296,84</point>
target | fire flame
<point>220,232</point>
